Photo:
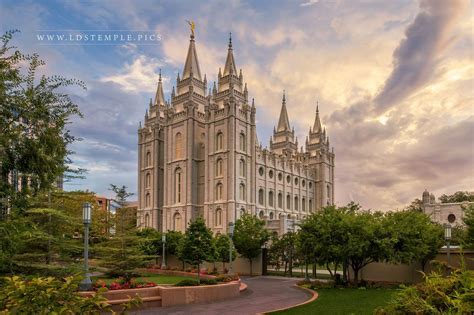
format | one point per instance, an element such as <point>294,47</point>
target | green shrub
<point>47,296</point>
<point>187,283</point>
<point>227,278</point>
<point>437,294</point>
<point>208,281</point>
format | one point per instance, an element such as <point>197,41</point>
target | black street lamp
<point>86,284</point>
<point>231,235</point>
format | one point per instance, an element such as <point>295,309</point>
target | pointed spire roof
<point>317,121</point>
<point>230,62</point>
<point>283,122</point>
<point>159,96</point>
<point>192,64</point>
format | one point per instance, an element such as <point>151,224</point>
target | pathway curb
<point>314,294</point>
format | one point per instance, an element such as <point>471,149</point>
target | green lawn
<point>344,301</point>
<point>158,279</point>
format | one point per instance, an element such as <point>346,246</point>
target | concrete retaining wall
<point>188,295</point>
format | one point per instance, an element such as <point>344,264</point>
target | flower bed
<point>122,284</point>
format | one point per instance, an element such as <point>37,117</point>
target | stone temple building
<point>443,213</point>
<point>198,155</point>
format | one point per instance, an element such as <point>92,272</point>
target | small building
<point>443,213</point>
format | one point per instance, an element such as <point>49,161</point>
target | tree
<point>414,237</point>
<point>366,241</point>
<point>197,245</point>
<point>416,205</point>
<point>249,236</point>
<point>173,242</point>
<point>223,244</point>
<point>150,242</point>
<point>34,137</point>
<point>284,249</point>
<point>458,196</point>
<point>469,222</point>
<point>122,253</point>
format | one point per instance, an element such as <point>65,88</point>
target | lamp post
<point>231,234</point>
<point>86,284</point>
<point>447,237</point>
<point>163,240</point>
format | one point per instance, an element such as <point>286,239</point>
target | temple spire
<point>192,65</point>
<point>230,62</point>
<point>159,96</point>
<point>317,121</point>
<point>283,122</point>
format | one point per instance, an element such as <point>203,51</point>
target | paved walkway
<point>262,295</point>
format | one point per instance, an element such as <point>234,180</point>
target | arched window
<point>219,141</point>
<point>177,222</point>
<point>147,200</point>
<point>147,220</point>
<point>288,202</point>
<point>296,205</point>
<point>303,204</point>
<point>242,192</point>
<point>148,158</point>
<point>242,143</point>
<point>178,174</point>
<point>288,216</point>
<point>310,205</point>
<point>261,214</point>
<point>261,197</point>
<point>270,198</point>
<point>280,200</point>
<point>242,168</point>
<point>148,180</point>
<point>178,145</point>
<point>218,218</point>
<point>219,188</point>
<point>242,212</point>
<point>271,215</point>
<point>219,167</point>
<point>329,192</point>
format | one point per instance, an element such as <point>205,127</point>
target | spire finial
<point>192,26</point>
<point>284,97</point>
<point>230,40</point>
<point>317,106</point>
<point>159,77</point>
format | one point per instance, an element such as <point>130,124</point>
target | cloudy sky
<point>394,81</point>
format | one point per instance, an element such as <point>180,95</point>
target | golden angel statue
<point>192,26</point>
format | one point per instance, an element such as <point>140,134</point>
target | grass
<point>152,277</point>
<point>344,301</point>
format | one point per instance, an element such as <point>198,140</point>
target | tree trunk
<point>291,263</point>
<point>356,275</point>
<point>286,266</point>
<point>329,269</point>
<point>314,269</point>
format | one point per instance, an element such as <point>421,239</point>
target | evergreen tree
<point>223,244</point>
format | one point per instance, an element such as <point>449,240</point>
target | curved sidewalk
<point>263,294</point>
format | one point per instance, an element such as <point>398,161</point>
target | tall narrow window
<point>310,205</point>
<point>242,168</point>
<point>148,158</point>
<point>218,218</point>
<point>219,167</point>
<point>303,204</point>
<point>147,200</point>
<point>296,205</point>
<point>243,144</point>
<point>261,214</point>
<point>178,185</point>
<point>177,222</point>
<point>178,143</point>
<point>271,215</point>
<point>219,141</point>
<point>219,189</point>
<point>270,198</point>
<point>280,200</point>
<point>148,180</point>
<point>288,202</point>
<point>242,192</point>
<point>261,197</point>
<point>329,192</point>
<point>147,220</point>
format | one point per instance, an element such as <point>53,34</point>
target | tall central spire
<point>229,67</point>
<point>283,122</point>
<point>192,64</point>
<point>317,122</point>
